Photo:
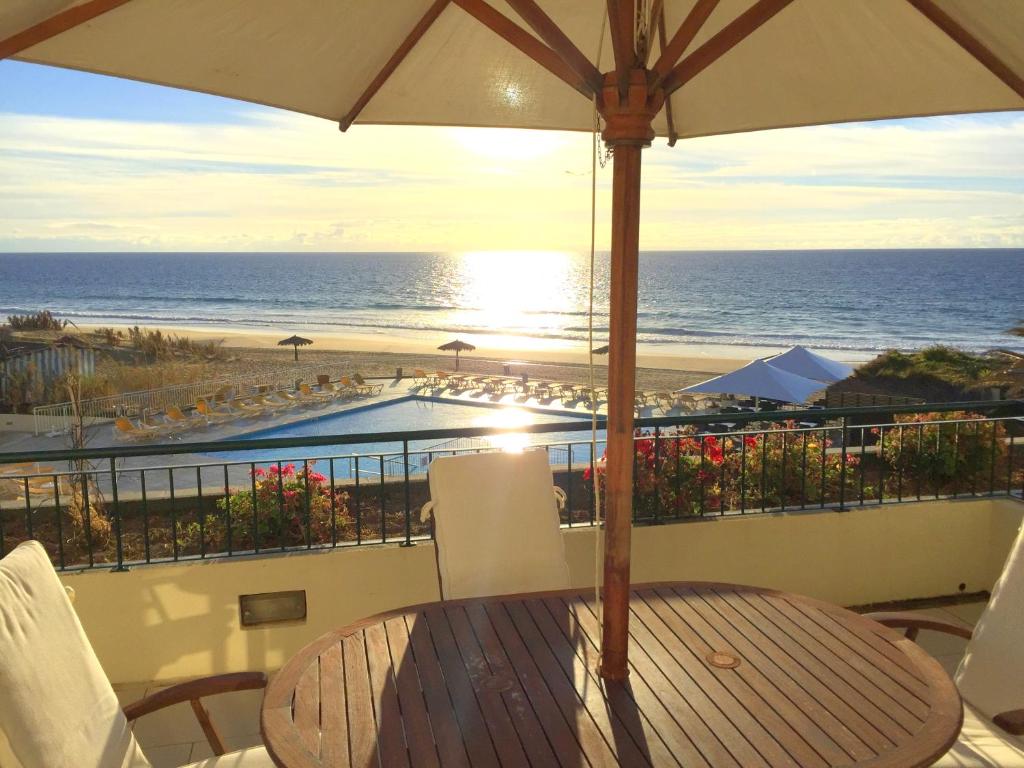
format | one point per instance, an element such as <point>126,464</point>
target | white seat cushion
<point>991,675</point>
<point>496,525</point>
<point>983,745</point>
<point>253,757</point>
<point>56,704</point>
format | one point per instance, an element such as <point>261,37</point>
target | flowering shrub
<point>681,473</point>
<point>928,453</point>
<point>286,500</point>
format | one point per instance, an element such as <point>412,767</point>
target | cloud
<point>277,181</point>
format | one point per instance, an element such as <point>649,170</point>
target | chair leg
<point>214,739</point>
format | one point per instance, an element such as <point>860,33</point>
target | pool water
<point>411,415</point>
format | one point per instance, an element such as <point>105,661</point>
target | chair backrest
<point>991,674</point>
<point>57,708</point>
<point>123,425</point>
<point>358,378</point>
<point>496,525</point>
<point>322,378</point>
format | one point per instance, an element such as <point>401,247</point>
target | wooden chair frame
<point>1011,721</point>
<point>193,691</point>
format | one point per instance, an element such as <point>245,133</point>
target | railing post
<point>842,467</point>
<point>408,498</point>
<point>119,539</point>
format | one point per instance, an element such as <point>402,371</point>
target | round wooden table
<point>720,675</point>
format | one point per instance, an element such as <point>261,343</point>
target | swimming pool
<point>412,414</point>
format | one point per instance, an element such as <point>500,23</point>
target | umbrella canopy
<point>675,68</point>
<point>759,379</point>
<point>295,341</point>
<point>457,346</point>
<point>803,362</point>
<point>508,62</point>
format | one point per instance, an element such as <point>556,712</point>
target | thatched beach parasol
<point>457,346</point>
<point>295,341</point>
<point>601,350</point>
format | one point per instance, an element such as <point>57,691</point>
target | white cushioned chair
<point>991,675</point>
<point>496,524</point>
<point>57,708</point>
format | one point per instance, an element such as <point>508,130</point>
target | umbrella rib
<point>393,63</point>
<point>731,35</point>
<point>525,42</point>
<point>971,44</point>
<point>559,42</point>
<point>692,24</point>
<point>621,18</point>
<point>55,25</point>
<point>660,22</point>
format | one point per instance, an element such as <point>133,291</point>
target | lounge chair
<point>991,675</point>
<point>246,406</point>
<point>307,393</point>
<point>496,524</point>
<point>211,413</point>
<point>174,415</point>
<point>56,704</point>
<point>125,430</point>
<point>273,406</point>
<point>419,376</point>
<point>288,398</point>
<point>365,387</point>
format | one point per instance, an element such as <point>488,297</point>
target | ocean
<point>850,304</point>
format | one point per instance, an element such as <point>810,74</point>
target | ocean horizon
<point>850,303</point>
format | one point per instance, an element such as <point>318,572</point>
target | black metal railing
<point>128,505</point>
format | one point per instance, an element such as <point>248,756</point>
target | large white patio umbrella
<point>760,379</point>
<point>803,362</point>
<point>674,68</point>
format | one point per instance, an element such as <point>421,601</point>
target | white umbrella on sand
<point>673,68</point>
<point>803,362</point>
<point>759,379</point>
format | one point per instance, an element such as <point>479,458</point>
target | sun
<point>509,143</point>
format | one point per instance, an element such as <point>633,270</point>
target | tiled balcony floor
<point>172,737</point>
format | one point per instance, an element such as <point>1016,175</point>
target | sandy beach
<point>249,351</point>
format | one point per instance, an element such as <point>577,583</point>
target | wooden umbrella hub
<point>628,116</point>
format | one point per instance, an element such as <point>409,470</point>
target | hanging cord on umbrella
<point>595,156</point>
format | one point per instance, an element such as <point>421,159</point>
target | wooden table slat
<point>422,751</point>
<point>307,709</point>
<point>777,729</point>
<point>503,731</point>
<point>851,720</point>
<point>390,730</point>
<point>721,676</point>
<point>362,723</point>
<point>822,671</point>
<point>832,740</point>
<point>448,739</point>
<point>566,632</point>
<point>472,724</point>
<point>506,683</point>
<point>623,734</point>
<point>651,697</point>
<point>868,663</point>
<point>333,713</point>
<point>570,731</point>
<point>845,666</point>
<point>798,734</point>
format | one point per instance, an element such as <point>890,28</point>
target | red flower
<point>751,441</point>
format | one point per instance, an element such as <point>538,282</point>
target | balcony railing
<point>130,505</point>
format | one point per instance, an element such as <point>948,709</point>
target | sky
<point>91,163</point>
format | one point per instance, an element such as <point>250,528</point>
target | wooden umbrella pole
<point>628,130</point>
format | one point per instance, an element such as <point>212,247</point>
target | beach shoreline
<point>716,359</point>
